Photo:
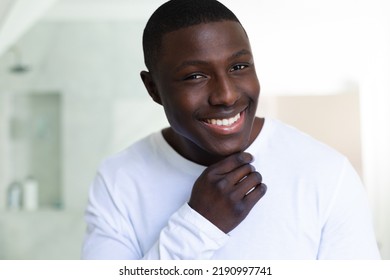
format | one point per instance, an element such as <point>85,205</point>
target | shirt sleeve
<point>188,235</point>
<point>348,231</point>
<point>111,235</point>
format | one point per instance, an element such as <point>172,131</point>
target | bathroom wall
<point>93,68</point>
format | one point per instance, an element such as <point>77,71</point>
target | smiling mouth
<point>225,126</point>
<point>224,122</point>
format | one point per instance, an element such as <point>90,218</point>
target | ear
<point>150,86</point>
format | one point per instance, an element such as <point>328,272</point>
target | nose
<point>223,92</point>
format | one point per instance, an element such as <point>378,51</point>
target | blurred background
<point>70,95</point>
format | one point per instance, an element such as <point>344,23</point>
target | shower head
<point>18,67</point>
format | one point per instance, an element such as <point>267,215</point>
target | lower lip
<point>226,130</point>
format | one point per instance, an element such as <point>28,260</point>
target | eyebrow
<point>202,62</point>
<point>240,53</point>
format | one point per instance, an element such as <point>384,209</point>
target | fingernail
<point>251,157</point>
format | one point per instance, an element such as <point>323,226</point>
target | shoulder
<point>297,142</point>
<point>299,152</point>
<point>132,159</point>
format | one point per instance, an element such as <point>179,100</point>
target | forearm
<point>187,235</point>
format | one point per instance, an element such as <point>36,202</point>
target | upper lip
<point>224,115</point>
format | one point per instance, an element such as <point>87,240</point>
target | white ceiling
<point>101,9</point>
<point>18,16</point>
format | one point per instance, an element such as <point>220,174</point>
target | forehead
<point>206,41</point>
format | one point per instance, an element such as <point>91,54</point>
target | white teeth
<point>224,122</point>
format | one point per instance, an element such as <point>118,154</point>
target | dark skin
<point>206,81</point>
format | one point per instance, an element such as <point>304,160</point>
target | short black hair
<point>176,14</point>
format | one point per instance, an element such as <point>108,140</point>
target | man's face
<point>206,81</point>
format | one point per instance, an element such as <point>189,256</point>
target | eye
<point>194,77</point>
<point>238,67</point>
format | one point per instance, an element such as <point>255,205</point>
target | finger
<point>255,195</point>
<point>239,174</point>
<point>248,184</point>
<point>231,162</point>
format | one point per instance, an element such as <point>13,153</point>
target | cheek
<point>253,91</point>
<point>254,85</point>
<point>182,101</point>
<point>249,85</point>
<point>179,112</point>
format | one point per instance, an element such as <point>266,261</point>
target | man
<point>195,189</point>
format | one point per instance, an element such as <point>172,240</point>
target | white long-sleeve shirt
<point>315,206</point>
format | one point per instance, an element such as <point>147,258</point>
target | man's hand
<point>226,191</point>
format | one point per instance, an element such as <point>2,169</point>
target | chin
<point>224,150</point>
